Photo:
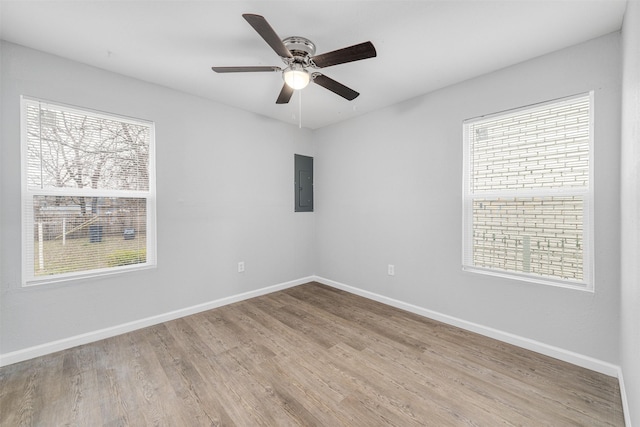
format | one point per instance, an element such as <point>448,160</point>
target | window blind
<point>88,192</point>
<point>527,191</point>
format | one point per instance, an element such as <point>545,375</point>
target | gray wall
<point>389,191</point>
<point>224,191</point>
<point>630,291</point>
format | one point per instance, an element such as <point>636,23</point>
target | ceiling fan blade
<point>285,95</point>
<point>268,34</point>
<point>244,69</point>
<point>335,87</point>
<point>348,54</point>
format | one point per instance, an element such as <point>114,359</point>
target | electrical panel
<point>303,183</point>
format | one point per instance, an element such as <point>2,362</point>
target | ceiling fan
<point>298,53</point>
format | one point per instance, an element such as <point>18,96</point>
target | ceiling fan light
<point>296,77</point>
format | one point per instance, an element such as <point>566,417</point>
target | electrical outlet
<point>391,270</point>
<point>241,267</point>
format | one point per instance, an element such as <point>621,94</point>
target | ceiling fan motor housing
<point>301,48</point>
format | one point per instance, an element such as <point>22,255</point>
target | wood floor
<point>312,356</point>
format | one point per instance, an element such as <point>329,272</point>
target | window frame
<point>587,194</point>
<point>29,279</point>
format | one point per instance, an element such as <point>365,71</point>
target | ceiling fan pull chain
<point>299,109</point>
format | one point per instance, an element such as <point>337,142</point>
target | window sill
<point>540,280</point>
<point>72,277</point>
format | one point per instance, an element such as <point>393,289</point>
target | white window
<point>88,193</point>
<point>527,196</point>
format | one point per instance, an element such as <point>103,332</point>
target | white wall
<point>224,194</point>
<point>630,289</point>
<point>389,191</point>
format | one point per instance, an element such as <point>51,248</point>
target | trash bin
<point>129,233</point>
<point>95,233</point>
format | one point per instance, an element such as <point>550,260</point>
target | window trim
<point>587,283</point>
<point>29,279</point>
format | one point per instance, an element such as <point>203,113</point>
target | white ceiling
<point>421,45</point>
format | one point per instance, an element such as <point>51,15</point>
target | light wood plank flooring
<point>312,356</point>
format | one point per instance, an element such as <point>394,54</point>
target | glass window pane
<point>75,150</point>
<point>540,148</point>
<point>538,235</point>
<point>78,234</point>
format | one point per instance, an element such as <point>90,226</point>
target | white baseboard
<point>529,344</point>
<point>625,401</point>
<point>63,344</point>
